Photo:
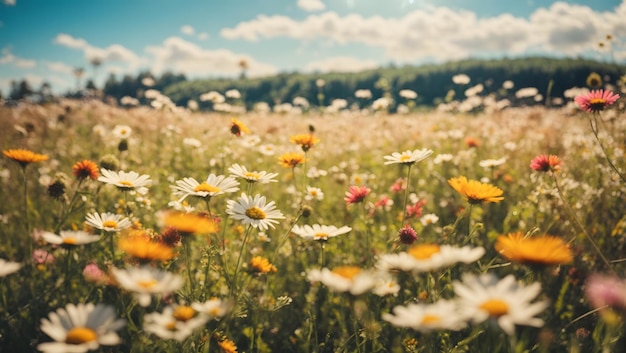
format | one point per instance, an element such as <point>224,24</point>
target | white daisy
<point>262,177</point>
<point>122,131</point>
<point>254,211</point>
<point>313,193</point>
<point>351,279</point>
<point>428,257</point>
<point>175,322</point>
<point>70,238</point>
<point>213,186</point>
<point>80,328</point>
<point>125,180</point>
<point>213,308</point>
<point>8,267</point>
<point>408,157</point>
<point>319,232</point>
<point>442,315</point>
<point>484,297</point>
<point>428,219</point>
<point>491,163</point>
<point>145,280</point>
<point>445,157</point>
<point>407,94</point>
<point>267,149</point>
<point>107,221</point>
<point>385,285</point>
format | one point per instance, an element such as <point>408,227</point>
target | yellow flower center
<point>319,236</point>
<point>80,335</point>
<point>424,251</point>
<point>255,213</point>
<point>404,158</point>
<point>206,188</point>
<point>147,284</point>
<point>125,183</point>
<point>430,318</point>
<point>70,241</point>
<point>348,272</point>
<point>109,224</point>
<point>252,175</point>
<point>597,101</point>
<point>495,307</point>
<point>171,326</point>
<point>184,313</point>
<point>215,312</point>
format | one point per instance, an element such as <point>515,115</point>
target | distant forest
<point>432,82</point>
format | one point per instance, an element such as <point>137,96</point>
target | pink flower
<point>602,290</point>
<point>415,210</point>
<point>356,194</point>
<point>42,257</point>
<point>596,100</point>
<point>94,274</point>
<point>545,163</point>
<point>407,235</point>
<point>398,186</point>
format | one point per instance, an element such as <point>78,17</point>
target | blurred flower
<point>142,248</point>
<point>213,186</point>
<point>594,80</point>
<point>232,94</point>
<point>262,265</point>
<point>545,163</point>
<point>305,141</point>
<point>428,257</point>
<point>313,193</point>
<point>56,189</point>
<point>176,322</point>
<point>472,142</point>
<point>440,158</point>
<point>8,267</point>
<point>407,94</point>
<point>476,192</point>
<point>544,250</point>
<point>351,279</point>
<point>407,235</point>
<point>508,84</point>
<point>381,103</point>
<point>261,177</point>
<point>484,297</point>
<point>144,281</point>
<point>291,159</point>
<point>526,92</point>
<point>189,223</point>
<point>415,210</point>
<point>442,315</point>
<point>363,93</point>
<point>602,290</point>
<point>214,308</point>
<point>237,127</point>
<point>385,285</point>
<point>356,194</point>
<point>107,221</point>
<point>228,346</point>
<point>69,238</point>
<point>122,131</point>
<point>319,232</point>
<point>24,157</point>
<point>213,96</point>
<point>408,157</point>
<point>85,169</point>
<point>596,100</point>
<point>41,256</point>
<point>254,211</point>
<point>430,218</point>
<point>461,79</point>
<point>78,328</point>
<point>125,180</point>
<point>93,273</point>
<point>491,163</point>
<point>110,162</point>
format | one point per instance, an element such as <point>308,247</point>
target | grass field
<point>412,259</point>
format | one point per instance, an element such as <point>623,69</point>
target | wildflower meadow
<point>157,228</point>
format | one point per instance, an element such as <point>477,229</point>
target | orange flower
<point>85,169</point>
<point>262,265</point>
<point>291,159</point>
<point>142,248</point>
<point>306,141</point>
<point>188,223</point>
<point>544,250</point>
<point>476,192</point>
<point>24,157</point>
<point>237,127</point>
<point>545,163</point>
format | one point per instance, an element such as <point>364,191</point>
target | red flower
<point>415,210</point>
<point>356,194</point>
<point>596,100</point>
<point>544,163</point>
<point>85,169</point>
<point>407,235</point>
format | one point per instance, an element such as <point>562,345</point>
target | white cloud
<point>9,2</point>
<point>112,53</point>
<point>178,55</point>
<point>341,64</point>
<point>9,58</point>
<point>442,33</point>
<point>203,36</point>
<point>188,30</point>
<point>58,66</point>
<point>311,5</point>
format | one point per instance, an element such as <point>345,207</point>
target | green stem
<point>26,213</point>
<point>241,251</point>
<point>406,195</point>
<point>323,244</point>
<point>187,246</point>
<point>594,127</point>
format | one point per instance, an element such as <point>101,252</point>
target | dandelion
<point>144,249</point>
<point>442,315</point>
<point>24,157</point>
<point>70,238</point>
<point>356,194</point>
<point>81,327</point>
<point>351,279</point>
<point>125,180</point>
<point>107,221</point>
<point>485,297</point>
<point>9,267</point>
<point>176,322</point>
<point>291,159</point>
<point>544,250</point>
<point>145,281</point>
<point>428,257</point>
<point>262,265</point>
<point>408,157</point>
<point>254,211</point>
<point>261,177</point>
<point>476,192</point>
<point>319,232</point>
<point>85,169</point>
<point>596,100</point>
<point>189,223</point>
<point>213,186</point>
<point>237,127</point>
<point>546,163</point>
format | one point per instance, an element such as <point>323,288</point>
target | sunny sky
<point>44,40</point>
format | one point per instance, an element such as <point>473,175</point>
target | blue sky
<point>43,40</point>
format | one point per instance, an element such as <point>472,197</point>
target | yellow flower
<point>476,192</point>
<point>545,250</point>
<point>306,141</point>
<point>24,157</point>
<point>262,265</point>
<point>190,223</point>
<point>291,159</point>
<point>227,346</point>
<point>141,247</point>
<point>237,128</point>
